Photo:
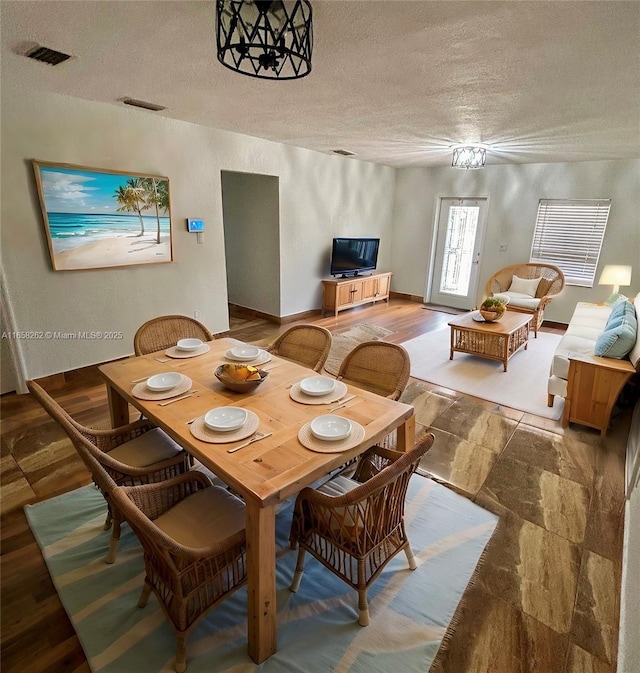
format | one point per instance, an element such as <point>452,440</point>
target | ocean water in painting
<point>85,206</point>
<point>72,230</point>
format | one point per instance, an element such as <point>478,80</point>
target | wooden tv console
<point>339,294</point>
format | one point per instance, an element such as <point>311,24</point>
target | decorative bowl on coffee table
<point>492,309</point>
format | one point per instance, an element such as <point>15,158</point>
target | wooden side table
<point>593,387</point>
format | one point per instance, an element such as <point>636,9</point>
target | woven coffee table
<point>492,340</point>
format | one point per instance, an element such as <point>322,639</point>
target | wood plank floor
<point>546,598</point>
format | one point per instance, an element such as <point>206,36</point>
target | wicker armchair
<point>355,526</point>
<point>308,345</point>
<point>138,453</point>
<point>194,543</point>
<point>165,331</point>
<point>550,285</point>
<point>377,366</point>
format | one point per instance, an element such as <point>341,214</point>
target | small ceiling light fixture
<point>469,156</point>
<point>269,39</point>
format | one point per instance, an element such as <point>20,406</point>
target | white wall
<point>514,192</point>
<point>251,214</point>
<point>629,643</point>
<point>321,196</point>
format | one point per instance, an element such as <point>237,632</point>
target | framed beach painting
<point>97,219</point>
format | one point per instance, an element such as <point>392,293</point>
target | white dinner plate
<point>160,382</point>
<point>317,385</point>
<point>189,344</point>
<point>330,428</point>
<point>243,353</point>
<point>225,419</point>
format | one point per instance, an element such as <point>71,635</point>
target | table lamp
<point>616,275</point>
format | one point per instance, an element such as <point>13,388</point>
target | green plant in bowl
<point>492,309</point>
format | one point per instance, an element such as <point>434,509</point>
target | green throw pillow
<point>620,333</point>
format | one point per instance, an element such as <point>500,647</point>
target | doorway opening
<point>251,224</point>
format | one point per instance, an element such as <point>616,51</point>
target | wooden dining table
<point>266,472</point>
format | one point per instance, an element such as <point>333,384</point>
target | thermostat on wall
<point>195,225</point>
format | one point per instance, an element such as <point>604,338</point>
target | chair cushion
<point>339,485</point>
<point>620,333</point>
<point>519,300</point>
<point>544,287</point>
<point>528,286</point>
<point>210,515</point>
<point>199,467</point>
<point>151,447</point>
<point>342,523</point>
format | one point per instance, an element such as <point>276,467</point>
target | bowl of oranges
<point>240,378</point>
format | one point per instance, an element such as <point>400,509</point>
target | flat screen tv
<point>352,256</point>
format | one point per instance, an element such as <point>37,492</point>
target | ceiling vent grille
<point>344,153</point>
<point>48,56</point>
<point>143,104</point>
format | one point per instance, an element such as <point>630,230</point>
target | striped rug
<point>342,343</point>
<point>317,627</point>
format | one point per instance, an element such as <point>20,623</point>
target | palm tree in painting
<point>157,195</point>
<point>132,199</point>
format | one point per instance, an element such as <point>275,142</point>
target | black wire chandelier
<point>270,39</point>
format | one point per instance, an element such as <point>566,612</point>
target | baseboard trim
<point>294,317</point>
<point>278,320</point>
<point>59,380</point>
<point>407,297</point>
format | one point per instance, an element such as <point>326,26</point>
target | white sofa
<point>589,384</point>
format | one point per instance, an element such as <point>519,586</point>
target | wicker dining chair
<point>137,453</point>
<point>163,332</point>
<point>551,284</point>
<point>194,543</point>
<point>377,366</point>
<point>193,539</point>
<point>355,526</point>
<point>309,345</point>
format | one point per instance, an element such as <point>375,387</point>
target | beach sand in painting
<point>116,251</point>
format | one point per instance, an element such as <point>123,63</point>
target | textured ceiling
<point>395,82</point>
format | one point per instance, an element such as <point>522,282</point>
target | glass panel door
<point>461,226</point>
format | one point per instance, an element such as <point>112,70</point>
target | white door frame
<point>437,207</point>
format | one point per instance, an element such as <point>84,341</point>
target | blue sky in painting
<point>72,190</point>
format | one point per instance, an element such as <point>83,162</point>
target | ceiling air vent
<point>344,153</point>
<point>143,104</point>
<point>46,55</point>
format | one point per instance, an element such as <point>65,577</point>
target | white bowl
<point>189,344</point>
<point>244,353</point>
<point>330,428</point>
<point>317,385</point>
<point>225,419</point>
<point>160,382</point>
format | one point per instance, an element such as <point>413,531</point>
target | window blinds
<point>569,234</point>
